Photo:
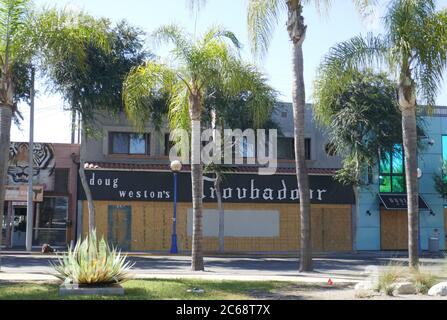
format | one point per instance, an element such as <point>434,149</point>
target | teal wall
<point>430,162</point>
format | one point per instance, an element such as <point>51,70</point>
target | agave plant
<point>93,263</point>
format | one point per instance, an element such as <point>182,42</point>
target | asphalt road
<point>345,266</point>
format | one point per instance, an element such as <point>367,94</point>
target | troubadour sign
<point>236,188</point>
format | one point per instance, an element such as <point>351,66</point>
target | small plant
<point>423,281</point>
<point>388,277</point>
<point>93,263</point>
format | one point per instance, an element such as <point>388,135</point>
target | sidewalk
<point>306,278</point>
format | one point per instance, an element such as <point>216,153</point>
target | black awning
<point>398,201</point>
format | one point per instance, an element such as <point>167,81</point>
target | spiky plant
<point>92,262</point>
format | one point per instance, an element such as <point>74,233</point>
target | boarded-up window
<point>239,223</point>
<point>61,180</point>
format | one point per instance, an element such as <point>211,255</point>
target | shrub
<point>388,277</point>
<point>93,262</point>
<point>423,281</point>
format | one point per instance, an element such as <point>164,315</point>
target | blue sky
<point>324,31</point>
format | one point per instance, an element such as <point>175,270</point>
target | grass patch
<point>393,272</point>
<point>398,272</point>
<point>423,281</point>
<point>148,290</point>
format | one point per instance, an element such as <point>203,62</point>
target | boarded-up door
<point>119,234</point>
<point>394,230</point>
<point>331,229</point>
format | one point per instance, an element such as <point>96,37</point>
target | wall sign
<point>20,193</point>
<point>44,164</point>
<point>236,188</point>
<point>397,201</point>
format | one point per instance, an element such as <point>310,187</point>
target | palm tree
<point>263,15</point>
<point>38,37</point>
<point>414,50</point>
<point>197,66</point>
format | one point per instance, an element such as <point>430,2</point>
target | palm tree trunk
<point>85,185</point>
<point>5,140</point>
<point>218,184</point>
<point>407,103</point>
<point>220,208</point>
<point>197,184</point>
<point>297,33</point>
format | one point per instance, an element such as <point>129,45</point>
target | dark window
<point>286,148</point>
<point>168,144</point>
<point>307,148</point>
<point>392,171</point>
<point>61,180</point>
<point>120,143</point>
<point>129,143</point>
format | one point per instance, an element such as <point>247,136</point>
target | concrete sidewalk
<point>302,278</point>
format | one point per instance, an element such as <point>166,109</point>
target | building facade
<point>382,220</point>
<point>54,174</point>
<point>132,186</point>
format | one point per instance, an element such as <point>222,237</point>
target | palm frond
<point>365,7</point>
<point>64,34</point>
<point>196,5</point>
<point>357,53</point>
<point>260,97</point>
<point>218,32</point>
<point>12,19</point>
<point>174,34</point>
<point>263,16</point>
<point>179,108</point>
<point>142,88</point>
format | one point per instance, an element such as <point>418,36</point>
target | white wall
<point>239,223</point>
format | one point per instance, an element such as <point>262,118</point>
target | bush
<point>93,263</point>
<point>423,281</point>
<point>388,277</point>
<point>395,272</point>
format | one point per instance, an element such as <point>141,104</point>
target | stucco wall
<point>97,146</point>
<point>430,161</point>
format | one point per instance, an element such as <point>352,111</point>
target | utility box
<point>433,244</point>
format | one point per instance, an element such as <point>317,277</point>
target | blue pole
<point>174,249</point>
<point>419,233</point>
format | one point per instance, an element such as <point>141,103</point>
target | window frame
<point>444,147</point>
<point>391,174</point>
<point>307,148</point>
<point>147,143</point>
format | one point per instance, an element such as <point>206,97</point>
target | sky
<point>340,23</point>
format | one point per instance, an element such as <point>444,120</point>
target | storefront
<point>54,180</point>
<point>383,214</point>
<point>134,211</point>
